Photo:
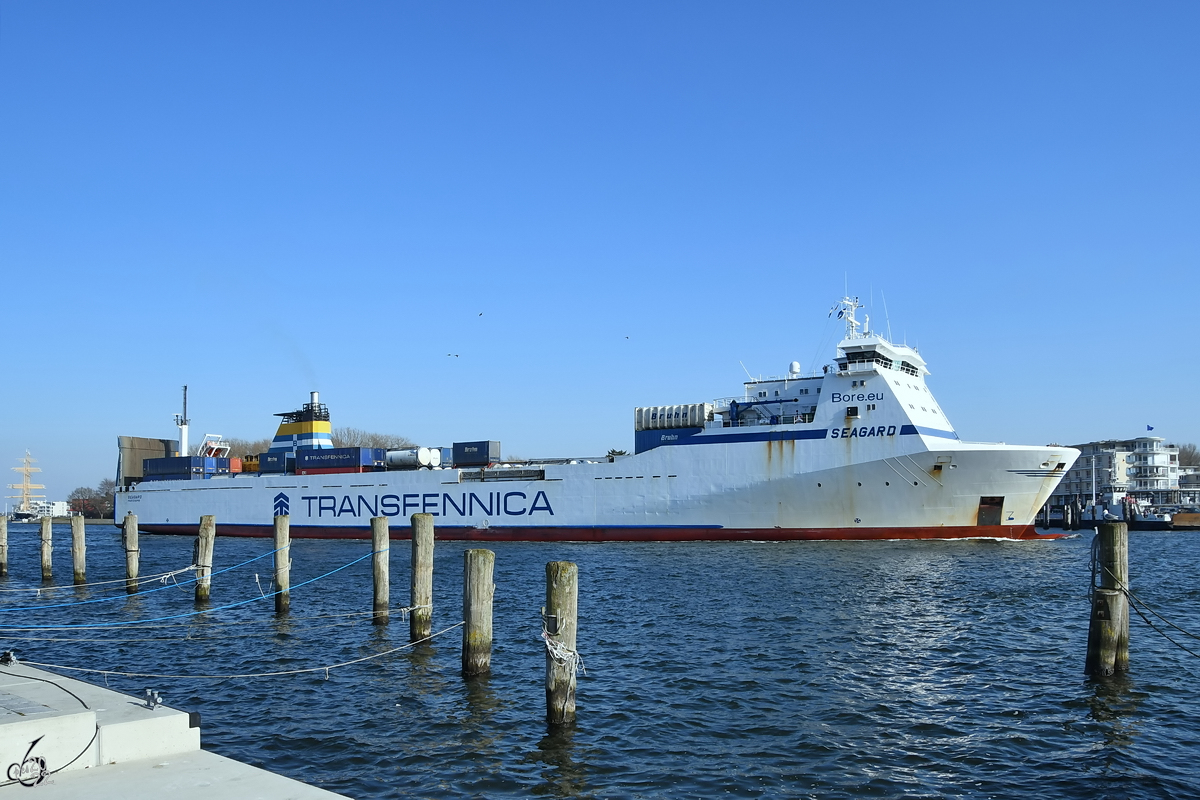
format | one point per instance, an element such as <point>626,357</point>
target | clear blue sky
<point>260,199</point>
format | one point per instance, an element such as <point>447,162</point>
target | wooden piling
<point>380,564</point>
<point>420,618</point>
<point>78,549</point>
<point>478,590</point>
<point>47,548</point>
<point>204,555</point>
<point>129,539</point>
<point>3,547</point>
<point>283,563</point>
<point>1108,631</point>
<point>560,623</point>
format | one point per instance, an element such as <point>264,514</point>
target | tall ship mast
<point>24,509</point>
<point>858,448</point>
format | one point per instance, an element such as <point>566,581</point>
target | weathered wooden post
<point>129,539</point>
<point>420,619</point>
<point>3,546</point>
<point>283,563</point>
<point>47,547</point>
<point>78,549</point>
<point>1108,631</point>
<point>478,590</point>
<point>204,555</point>
<point>559,625</point>
<point>380,563</point>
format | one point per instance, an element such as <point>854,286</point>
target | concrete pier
<point>71,739</point>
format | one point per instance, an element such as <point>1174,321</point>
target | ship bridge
<point>864,351</point>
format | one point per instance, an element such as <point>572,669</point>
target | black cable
<point>52,683</point>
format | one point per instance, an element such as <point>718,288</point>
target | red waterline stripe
<point>619,534</point>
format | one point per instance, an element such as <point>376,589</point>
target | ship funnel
<point>306,429</point>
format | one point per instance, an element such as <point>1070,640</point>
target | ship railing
<point>779,419</point>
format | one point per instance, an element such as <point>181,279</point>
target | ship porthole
<point>860,483</point>
<point>887,483</point>
<point>915,483</point>
<point>818,486</point>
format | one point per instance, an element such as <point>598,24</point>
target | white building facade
<point>1145,469</point>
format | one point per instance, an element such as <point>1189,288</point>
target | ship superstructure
<point>858,450</point>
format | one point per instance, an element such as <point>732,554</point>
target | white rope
<point>188,637</point>
<point>325,669</point>
<point>271,620</point>
<point>403,612</point>
<point>563,654</point>
<point>161,576</point>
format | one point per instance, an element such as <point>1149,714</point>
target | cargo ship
<point>859,449</point>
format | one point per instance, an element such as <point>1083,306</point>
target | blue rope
<point>190,613</point>
<point>148,591</point>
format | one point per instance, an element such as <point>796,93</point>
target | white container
<point>653,418</point>
<point>414,457</point>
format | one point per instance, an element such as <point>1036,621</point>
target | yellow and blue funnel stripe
<point>308,435</point>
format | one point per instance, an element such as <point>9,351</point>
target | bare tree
<point>1189,455</point>
<point>85,500</point>
<point>356,437</point>
<point>94,503</point>
<point>105,497</point>
<point>239,448</point>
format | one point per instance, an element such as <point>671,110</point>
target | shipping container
<point>178,465</point>
<point>414,457</point>
<point>186,476</point>
<point>279,461</point>
<point>336,470</point>
<point>235,465</point>
<point>341,457</point>
<point>476,454</point>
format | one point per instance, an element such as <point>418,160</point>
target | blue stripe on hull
<point>913,430</point>
<point>648,440</point>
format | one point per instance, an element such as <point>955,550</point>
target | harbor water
<point>922,669</point>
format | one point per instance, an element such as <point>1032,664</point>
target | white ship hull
<point>786,489</point>
<point>859,450</point>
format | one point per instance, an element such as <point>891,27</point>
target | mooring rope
<point>178,616</point>
<point>38,590</point>
<point>300,671</point>
<point>1137,603</point>
<point>563,654</point>
<point>272,620</point>
<point>173,585</point>
<point>188,637</point>
<point>404,612</point>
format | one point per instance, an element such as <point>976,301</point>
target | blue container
<point>178,465</point>
<point>186,476</point>
<point>279,461</point>
<point>476,454</point>
<point>341,457</point>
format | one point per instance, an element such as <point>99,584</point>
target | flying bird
<point>452,354</point>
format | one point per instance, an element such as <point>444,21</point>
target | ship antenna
<point>182,421</point>
<point>886,318</point>
<point>748,375</point>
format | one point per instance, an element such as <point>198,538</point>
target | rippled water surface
<point>809,669</point>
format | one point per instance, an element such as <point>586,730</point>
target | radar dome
<point>794,368</point>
